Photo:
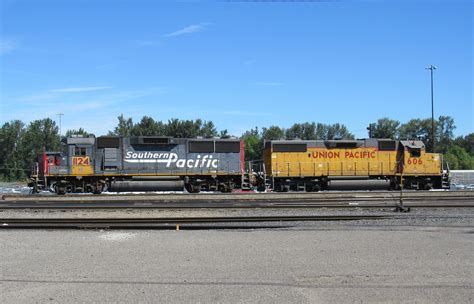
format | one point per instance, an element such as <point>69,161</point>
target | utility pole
<point>432,68</point>
<point>60,114</point>
<point>371,129</point>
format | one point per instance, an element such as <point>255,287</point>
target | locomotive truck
<point>157,163</point>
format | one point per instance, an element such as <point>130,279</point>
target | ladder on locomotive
<point>445,182</point>
<point>246,181</point>
<point>256,174</point>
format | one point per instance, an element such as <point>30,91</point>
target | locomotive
<point>310,164</point>
<point>158,163</point>
<point>144,163</point>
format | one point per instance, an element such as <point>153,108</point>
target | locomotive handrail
<point>339,168</point>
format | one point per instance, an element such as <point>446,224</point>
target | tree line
<point>20,143</point>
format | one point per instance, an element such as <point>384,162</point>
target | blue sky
<point>238,64</point>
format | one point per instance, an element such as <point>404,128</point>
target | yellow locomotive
<point>309,165</point>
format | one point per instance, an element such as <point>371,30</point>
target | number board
<point>81,161</point>
<point>414,161</point>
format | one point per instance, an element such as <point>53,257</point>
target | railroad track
<point>7,223</point>
<point>263,205</point>
<point>247,195</point>
<point>251,200</point>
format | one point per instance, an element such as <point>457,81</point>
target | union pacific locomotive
<point>310,165</point>
<point>151,163</point>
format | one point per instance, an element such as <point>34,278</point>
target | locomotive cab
<point>81,155</point>
<point>414,157</point>
<point>421,169</point>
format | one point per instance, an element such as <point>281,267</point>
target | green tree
<point>421,129</point>
<point>445,133</point>
<point>307,131</point>
<point>272,133</point>
<point>40,135</point>
<point>224,133</point>
<point>321,131</point>
<point>417,129</point>
<point>339,131</point>
<point>80,131</point>
<point>386,128</point>
<point>459,159</point>
<point>148,127</point>
<point>295,131</point>
<point>124,127</point>
<point>467,142</point>
<point>253,144</point>
<point>208,129</point>
<point>12,165</point>
<point>183,128</point>
<point>313,131</point>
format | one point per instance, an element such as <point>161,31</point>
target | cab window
<point>80,151</point>
<point>415,152</point>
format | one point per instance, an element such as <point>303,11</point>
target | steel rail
<point>242,199</point>
<point>369,202</point>
<point>232,198</point>
<point>243,196</point>
<point>152,222</point>
<point>252,206</point>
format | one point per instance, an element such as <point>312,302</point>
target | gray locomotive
<point>144,163</point>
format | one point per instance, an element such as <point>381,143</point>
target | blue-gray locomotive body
<point>144,163</point>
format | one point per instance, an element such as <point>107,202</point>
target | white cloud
<point>188,30</point>
<point>79,89</point>
<point>7,46</point>
<point>268,84</point>
<point>78,102</point>
<point>96,107</point>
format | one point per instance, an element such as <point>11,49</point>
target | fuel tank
<point>146,185</point>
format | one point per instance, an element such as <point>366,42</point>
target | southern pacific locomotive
<point>121,164</point>
<point>150,163</point>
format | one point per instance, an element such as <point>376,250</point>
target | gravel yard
<point>423,258</point>
<point>389,264</point>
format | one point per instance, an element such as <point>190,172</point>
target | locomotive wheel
<point>394,185</point>
<point>313,187</point>
<point>281,187</point>
<point>428,186</point>
<point>193,188</point>
<point>98,187</point>
<point>60,190</point>
<point>61,187</point>
<point>224,188</point>
<point>97,190</point>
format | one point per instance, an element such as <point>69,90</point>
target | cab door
<point>81,160</point>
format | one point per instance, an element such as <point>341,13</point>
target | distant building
<point>462,177</point>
